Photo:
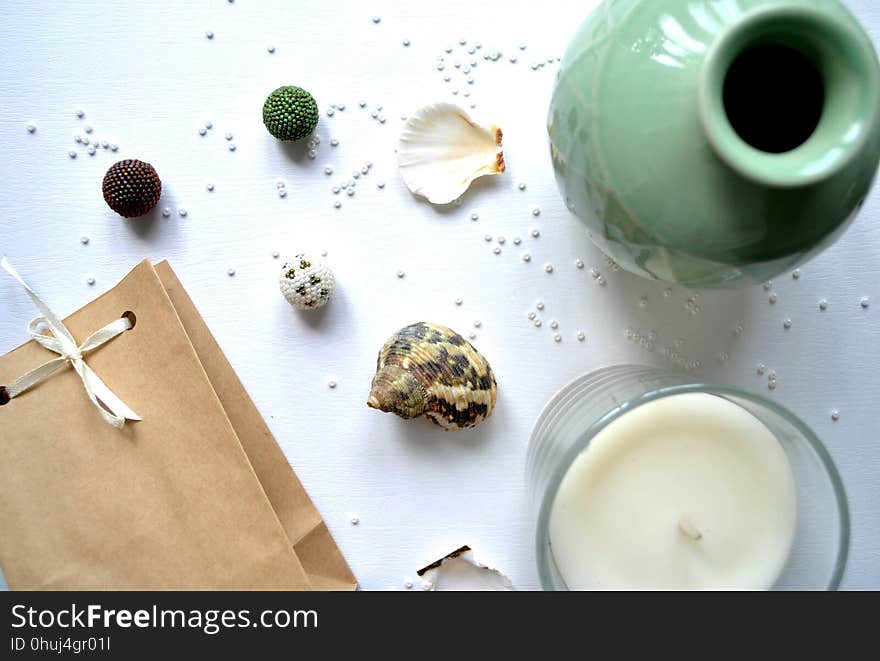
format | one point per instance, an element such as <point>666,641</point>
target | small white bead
<point>182,212</point>
<point>401,274</point>
<point>331,384</point>
<point>210,187</point>
<point>230,272</point>
<point>526,257</point>
<point>209,34</point>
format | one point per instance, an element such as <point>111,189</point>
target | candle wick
<point>689,529</point>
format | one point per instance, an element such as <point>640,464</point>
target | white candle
<point>689,491</point>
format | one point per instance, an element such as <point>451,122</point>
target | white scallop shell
<point>306,283</point>
<point>441,151</point>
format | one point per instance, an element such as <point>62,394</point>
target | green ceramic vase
<point>716,143</point>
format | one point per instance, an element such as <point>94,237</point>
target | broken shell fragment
<point>460,570</point>
<point>441,151</point>
<point>427,369</point>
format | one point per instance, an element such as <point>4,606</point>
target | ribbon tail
<point>97,389</point>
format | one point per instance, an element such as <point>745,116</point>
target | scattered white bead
<point>31,128</point>
<point>771,299</point>
<point>406,42</point>
<point>84,240</point>
<point>90,280</point>
<point>401,274</point>
<point>328,169</point>
<point>487,238</point>
<point>526,257</point>
<point>548,268</point>
<point>535,233</point>
<point>516,240</point>
<point>331,384</point>
<point>350,192</point>
<point>91,150</point>
<point>557,338</point>
<point>477,323</point>
<point>458,301</point>
<point>835,415</point>
<point>209,125</point>
<point>581,336</point>
<point>579,263</point>
<point>209,34</point>
<point>408,584</point>
<point>334,142</point>
<point>786,323</point>
<point>537,323</point>
<point>337,204</point>
<point>796,274</point>
<point>340,107</point>
<point>80,114</point>
<point>230,272</point>
<point>865,302</point>
<point>166,212</point>
<point>823,305</point>
<point>203,131</point>
<point>355,520</point>
<point>182,213</point>
<point>72,154</point>
<point>475,215</point>
<point>210,187</point>
<point>496,250</point>
<point>270,48</point>
<point>87,129</point>
<point>539,305</point>
<point>282,192</point>
<point>312,154</point>
<point>554,324</point>
<point>377,19</point>
<point>275,254</point>
<point>536,211</point>
<point>362,104</point>
<point>231,146</point>
<point>472,336</point>
<point>114,147</point>
<point>228,136</point>
<point>380,184</point>
<point>501,240</point>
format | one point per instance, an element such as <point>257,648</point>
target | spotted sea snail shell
<point>429,370</point>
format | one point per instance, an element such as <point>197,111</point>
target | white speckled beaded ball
<point>307,284</point>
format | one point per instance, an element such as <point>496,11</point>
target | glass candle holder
<point>578,413</point>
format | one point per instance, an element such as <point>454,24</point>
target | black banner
<point>133,625</point>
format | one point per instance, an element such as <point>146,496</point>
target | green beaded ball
<point>290,113</point>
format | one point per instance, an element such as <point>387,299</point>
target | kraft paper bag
<point>169,502</point>
<point>306,530</point>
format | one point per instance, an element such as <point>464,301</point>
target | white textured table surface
<point>147,78</point>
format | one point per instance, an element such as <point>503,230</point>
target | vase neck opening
<point>788,94</point>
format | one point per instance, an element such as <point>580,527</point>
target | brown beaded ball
<point>131,187</point>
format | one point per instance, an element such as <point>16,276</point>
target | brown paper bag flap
<point>318,553</point>
<point>170,502</point>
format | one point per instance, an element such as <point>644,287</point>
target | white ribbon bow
<point>112,409</point>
